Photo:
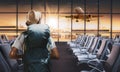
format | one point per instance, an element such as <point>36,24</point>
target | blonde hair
<point>33,17</point>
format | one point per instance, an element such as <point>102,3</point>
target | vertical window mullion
<point>16,17</point>
<point>71,17</point>
<point>98,18</point>
<point>58,18</point>
<point>85,17</point>
<point>31,4</point>
<point>111,19</point>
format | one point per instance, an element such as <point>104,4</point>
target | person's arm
<point>17,45</point>
<point>54,54</point>
<point>13,53</point>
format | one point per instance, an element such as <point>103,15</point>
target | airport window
<point>116,25</point>
<point>104,25</point>
<point>21,22</point>
<point>24,5</point>
<point>39,5</point>
<point>4,4</point>
<point>8,24</point>
<point>52,21</point>
<point>116,6</point>
<point>91,6</point>
<point>104,6</point>
<point>61,12</point>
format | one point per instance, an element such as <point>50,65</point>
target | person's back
<point>34,42</point>
<point>36,52</point>
<point>38,35</point>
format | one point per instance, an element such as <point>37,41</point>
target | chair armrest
<point>96,64</point>
<point>84,47</point>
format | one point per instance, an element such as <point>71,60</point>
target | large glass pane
<point>52,21</point>
<point>104,6</point>
<point>91,24</point>
<point>8,24</point>
<point>65,6</point>
<point>7,19</point>
<point>91,6</point>
<point>7,5</point>
<point>24,5</point>
<point>52,6</point>
<point>105,24</point>
<point>116,6</point>
<point>116,24</point>
<point>64,28</point>
<point>77,24</point>
<point>21,22</point>
<point>39,5</point>
<point>65,23</point>
<point>77,28</point>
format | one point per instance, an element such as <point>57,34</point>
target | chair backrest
<point>83,39</point>
<point>78,38</point>
<point>4,67</point>
<point>4,39</point>
<point>90,42</point>
<point>5,50</point>
<point>87,40</point>
<point>93,45</point>
<point>94,50</point>
<point>103,48</point>
<point>116,67</point>
<point>110,62</point>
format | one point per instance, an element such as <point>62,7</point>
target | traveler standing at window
<point>35,41</point>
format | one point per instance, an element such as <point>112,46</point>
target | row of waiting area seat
<point>6,63</point>
<point>96,54</point>
<point>93,54</point>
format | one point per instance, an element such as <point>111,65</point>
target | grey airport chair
<point>106,65</point>
<point>5,50</point>
<point>86,46</point>
<point>101,53</point>
<point>81,42</point>
<point>13,63</point>
<point>94,46</point>
<point>4,67</point>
